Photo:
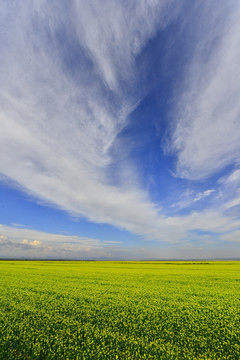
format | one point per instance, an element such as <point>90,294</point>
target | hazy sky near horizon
<point>120,129</point>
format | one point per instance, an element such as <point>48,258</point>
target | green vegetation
<point>119,310</point>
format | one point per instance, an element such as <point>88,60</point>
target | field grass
<point>119,310</point>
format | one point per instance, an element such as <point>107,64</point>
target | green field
<point>119,310</point>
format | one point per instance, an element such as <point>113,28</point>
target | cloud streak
<point>207,132</point>
<point>188,198</point>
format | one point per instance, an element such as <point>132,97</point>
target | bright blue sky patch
<point>120,129</point>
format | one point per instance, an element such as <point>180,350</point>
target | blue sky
<point>120,129</point>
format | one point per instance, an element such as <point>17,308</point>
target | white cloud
<point>229,191</point>
<point>68,84</point>
<point>232,203</point>
<point>234,177</point>
<point>114,33</point>
<point>4,240</point>
<point>26,243</point>
<point>32,244</point>
<point>19,242</point>
<point>207,132</point>
<point>233,237</point>
<point>203,194</point>
<point>188,197</point>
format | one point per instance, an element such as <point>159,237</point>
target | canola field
<point>119,310</point>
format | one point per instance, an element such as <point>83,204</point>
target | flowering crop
<point>119,310</point>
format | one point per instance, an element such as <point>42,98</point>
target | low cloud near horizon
<point>32,244</point>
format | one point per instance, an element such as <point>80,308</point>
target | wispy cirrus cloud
<point>232,178</point>
<point>206,136</point>
<point>189,197</point>
<point>63,106</point>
